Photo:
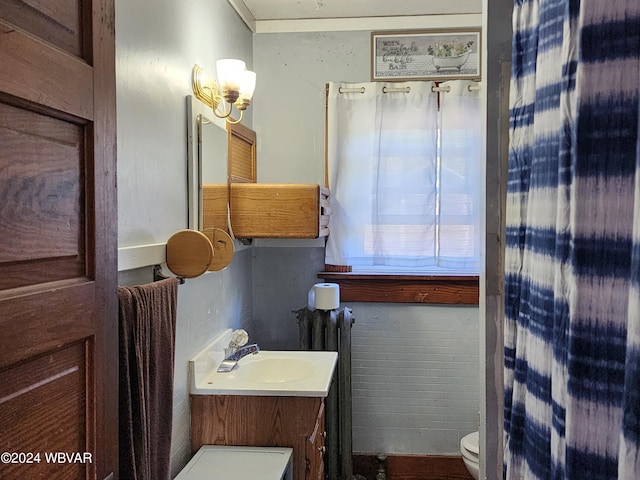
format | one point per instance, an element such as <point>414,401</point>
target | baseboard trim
<point>413,467</point>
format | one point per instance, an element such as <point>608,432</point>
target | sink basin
<point>275,367</point>
<point>269,373</point>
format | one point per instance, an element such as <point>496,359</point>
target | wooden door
<point>58,245</point>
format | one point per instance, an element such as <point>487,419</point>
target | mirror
<point>220,156</point>
<point>207,156</point>
<point>212,145</point>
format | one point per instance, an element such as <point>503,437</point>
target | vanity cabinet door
<point>316,449</point>
<point>263,421</point>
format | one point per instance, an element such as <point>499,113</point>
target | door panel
<point>45,320</point>
<point>44,75</point>
<point>42,202</point>
<point>58,22</point>
<point>28,395</point>
<point>58,245</point>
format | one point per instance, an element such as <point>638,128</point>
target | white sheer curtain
<point>398,205</point>
<point>460,176</point>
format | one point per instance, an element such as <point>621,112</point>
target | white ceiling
<point>315,9</point>
<point>271,15</point>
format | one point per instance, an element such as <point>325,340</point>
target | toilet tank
<point>220,462</point>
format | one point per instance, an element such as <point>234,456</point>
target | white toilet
<point>469,448</point>
<point>217,462</point>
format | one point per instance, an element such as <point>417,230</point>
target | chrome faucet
<point>236,350</point>
<point>244,351</point>
<point>239,338</point>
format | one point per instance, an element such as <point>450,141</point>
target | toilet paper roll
<point>324,296</point>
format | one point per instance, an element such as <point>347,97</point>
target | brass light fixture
<point>235,85</point>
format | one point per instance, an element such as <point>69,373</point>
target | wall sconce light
<point>235,86</point>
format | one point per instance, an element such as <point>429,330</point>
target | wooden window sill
<point>384,288</point>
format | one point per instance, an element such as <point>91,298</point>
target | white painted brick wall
<point>212,303</point>
<point>414,377</point>
<point>207,305</point>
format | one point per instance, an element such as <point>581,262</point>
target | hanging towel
<point>147,316</point>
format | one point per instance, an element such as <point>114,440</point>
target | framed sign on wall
<point>426,55</point>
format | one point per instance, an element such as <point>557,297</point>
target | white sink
<point>270,373</point>
<point>273,367</point>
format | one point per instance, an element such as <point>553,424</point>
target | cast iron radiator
<point>331,330</point>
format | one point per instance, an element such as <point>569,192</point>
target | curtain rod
<point>384,89</point>
<point>396,89</point>
<point>351,90</point>
<point>446,88</point>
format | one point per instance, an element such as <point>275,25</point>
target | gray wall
<point>282,279</point>
<point>293,69</point>
<point>156,47</point>
<point>420,415</point>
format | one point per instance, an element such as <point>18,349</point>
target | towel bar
<point>158,275</point>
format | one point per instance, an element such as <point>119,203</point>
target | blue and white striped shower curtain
<point>572,298</point>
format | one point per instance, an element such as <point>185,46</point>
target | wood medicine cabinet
<point>262,210</point>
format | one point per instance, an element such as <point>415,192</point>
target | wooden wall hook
<point>189,253</point>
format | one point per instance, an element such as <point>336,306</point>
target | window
<point>404,170</point>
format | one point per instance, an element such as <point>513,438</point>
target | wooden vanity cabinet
<point>262,421</point>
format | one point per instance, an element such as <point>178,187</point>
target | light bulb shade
<point>230,73</point>
<point>247,86</point>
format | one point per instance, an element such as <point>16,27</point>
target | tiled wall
<point>415,378</point>
<point>215,302</point>
<point>207,305</point>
